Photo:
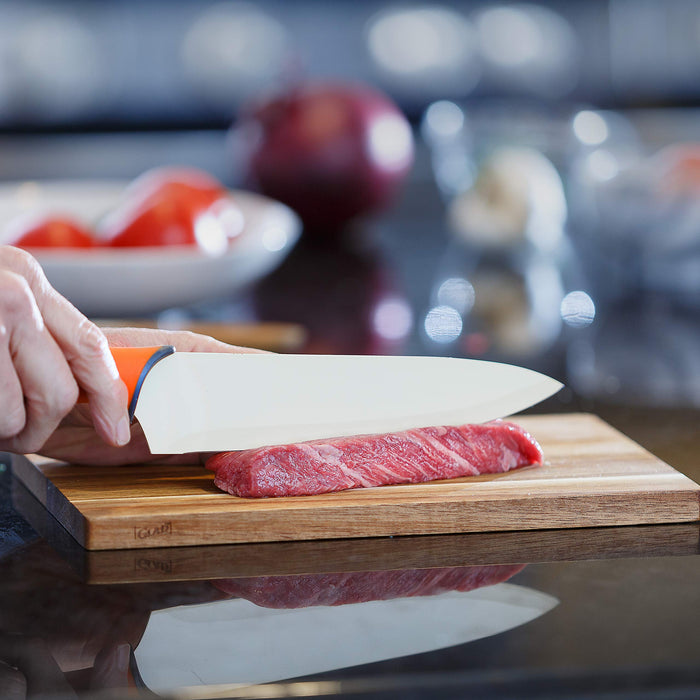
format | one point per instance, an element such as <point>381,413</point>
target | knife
<point>214,402</point>
<point>217,644</point>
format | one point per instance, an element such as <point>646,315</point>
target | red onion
<point>330,151</point>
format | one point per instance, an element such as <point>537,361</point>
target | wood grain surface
<point>206,562</point>
<point>593,476</point>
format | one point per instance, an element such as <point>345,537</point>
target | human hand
<point>75,440</point>
<point>27,669</point>
<point>48,352</point>
<point>57,631</point>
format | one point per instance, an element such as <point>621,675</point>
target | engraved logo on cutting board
<point>154,565</point>
<point>142,533</point>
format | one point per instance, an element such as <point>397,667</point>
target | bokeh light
<point>458,293</point>
<point>577,309</point>
<point>590,128</point>
<point>390,142</point>
<point>392,318</point>
<point>443,120</point>
<point>443,324</point>
<point>602,165</point>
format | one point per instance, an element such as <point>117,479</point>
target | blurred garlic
<point>518,195</point>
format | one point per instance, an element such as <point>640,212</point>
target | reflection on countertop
<point>355,612</point>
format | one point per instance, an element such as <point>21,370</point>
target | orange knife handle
<point>133,364</point>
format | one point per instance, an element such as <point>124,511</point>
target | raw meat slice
<point>412,456</point>
<point>360,587</point>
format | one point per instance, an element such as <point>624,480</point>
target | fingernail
<point>123,654</point>
<point>123,432</point>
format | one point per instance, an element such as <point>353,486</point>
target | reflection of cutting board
<point>594,476</point>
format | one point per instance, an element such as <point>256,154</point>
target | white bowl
<point>138,281</point>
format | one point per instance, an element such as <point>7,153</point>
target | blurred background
<point>155,64</point>
<point>551,215</point>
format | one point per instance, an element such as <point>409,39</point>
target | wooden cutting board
<point>368,554</point>
<point>593,476</point>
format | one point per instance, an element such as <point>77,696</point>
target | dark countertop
<point>619,616</point>
<point>619,611</point>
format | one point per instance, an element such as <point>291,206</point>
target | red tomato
<point>50,232</point>
<point>195,186</point>
<point>169,206</point>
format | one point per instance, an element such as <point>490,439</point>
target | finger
<point>84,346</point>
<point>48,388</point>
<point>183,341</point>
<point>87,352</point>
<point>13,416</point>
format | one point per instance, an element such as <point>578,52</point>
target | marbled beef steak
<point>411,456</point>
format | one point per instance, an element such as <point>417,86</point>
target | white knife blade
<point>219,643</point>
<point>212,402</point>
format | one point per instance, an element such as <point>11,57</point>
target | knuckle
<point>189,337</point>
<point>26,266</point>
<point>35,434</point>
<point>19,260</point>
<point>64,397</point>
<point>189,341</point>
<point>30,444</point>
<point>55,402</point>
<point>9,254</point>
<point>13,421</point>
<point>92,343</point>
<point>16,295</point>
